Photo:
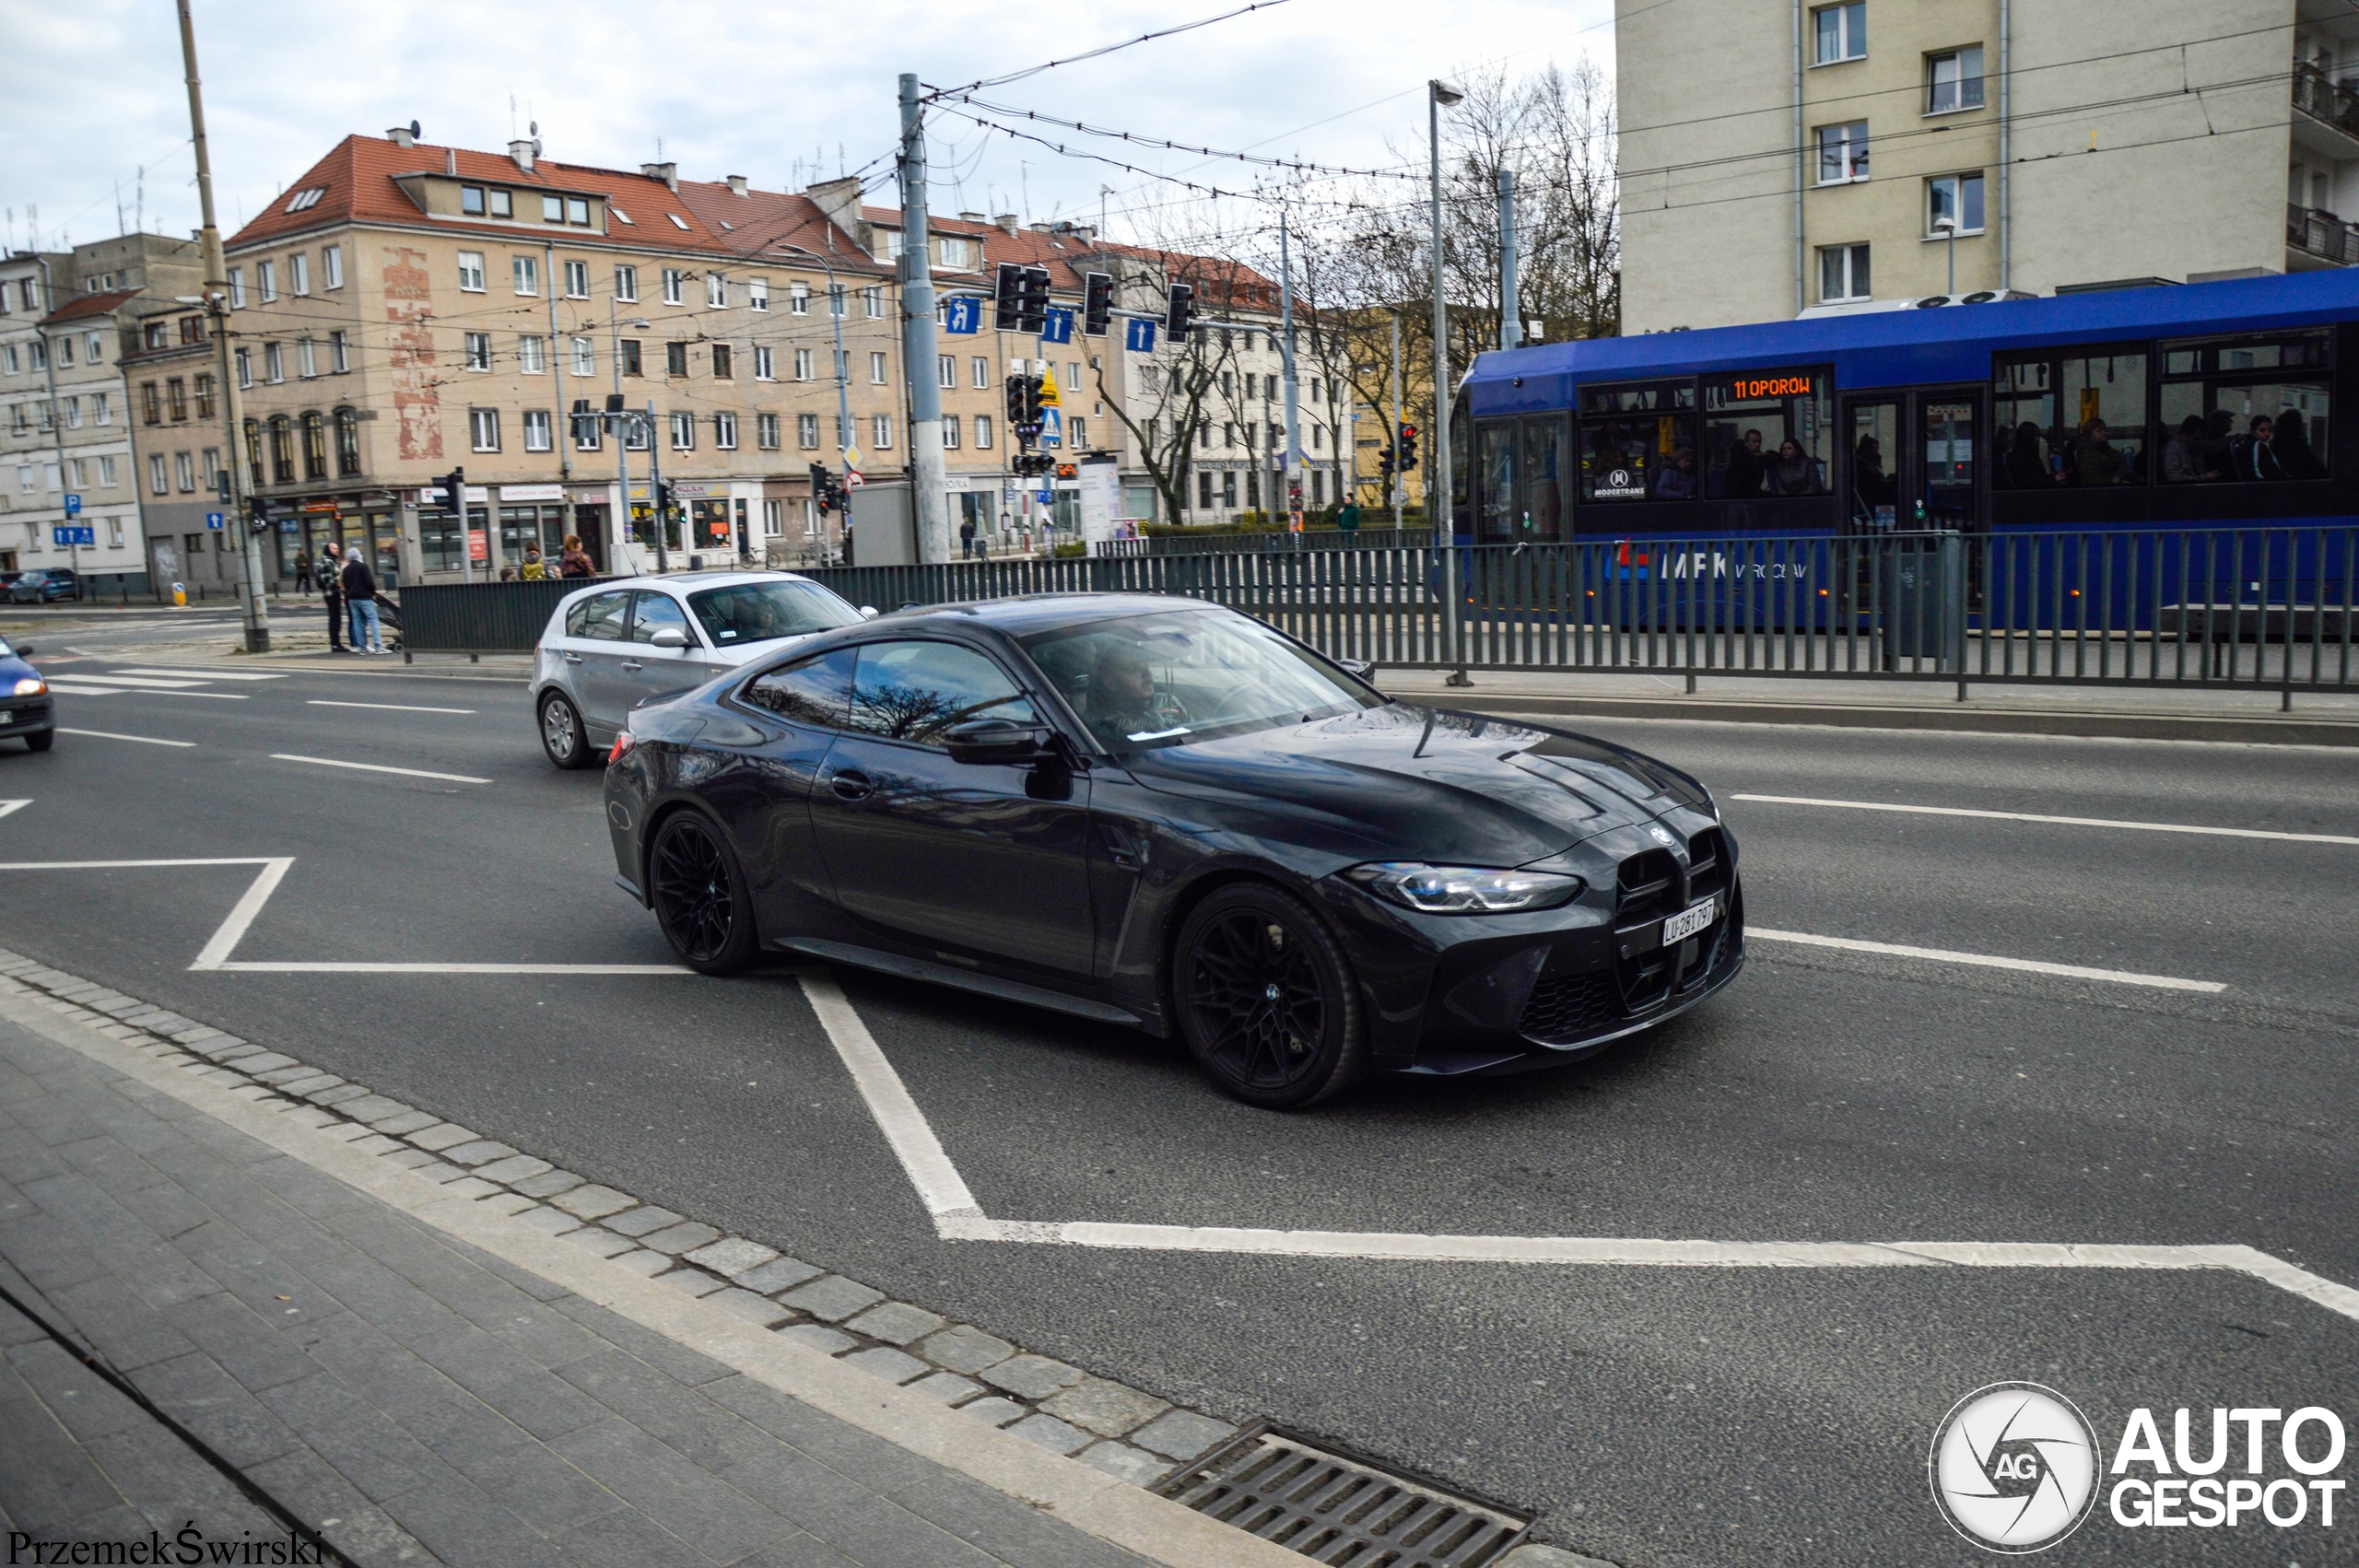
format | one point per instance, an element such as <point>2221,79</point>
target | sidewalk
<point>418,1398</point>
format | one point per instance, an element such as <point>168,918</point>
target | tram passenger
<point>2291,446</point>
<point>2025,468</point>
<point>2220,444</point>
<point>2255,460</point>
<point>2097,460</point>
<point>1795,473</point>
<point>1746,467</point>
<point>2183,457</point>
<point>1677,483</point>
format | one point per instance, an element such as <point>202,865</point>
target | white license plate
<point>6,717</point>
<point>1687,923</point>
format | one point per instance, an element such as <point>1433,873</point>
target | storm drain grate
<point>1338,1510</point>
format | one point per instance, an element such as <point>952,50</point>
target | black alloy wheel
<point>699,896</point>
<point>562,735</point>
<point>1266,999</point>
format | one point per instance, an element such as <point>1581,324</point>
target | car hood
<point>12,669</point>
<point>1428,784</point>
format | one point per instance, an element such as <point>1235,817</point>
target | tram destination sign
<point>1760,386</point>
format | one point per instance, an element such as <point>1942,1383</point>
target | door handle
<point>633,664</point>
<point>573,658</point>
<point>851,785</point>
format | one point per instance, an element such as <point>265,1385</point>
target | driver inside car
<point>1122,694</point>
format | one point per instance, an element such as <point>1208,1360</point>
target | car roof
<point>1029,613</point>
<point>684,582</point>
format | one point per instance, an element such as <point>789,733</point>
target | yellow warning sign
<point>1049,386</point>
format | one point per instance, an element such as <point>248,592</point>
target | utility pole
<point>57,424</point>
<point>1510,312</point>
<point>563,435</point>
<point>217,308</point>
<point>926,476</point>
<point>839,301</point>
<point>1437,493</point>
<point>1292,466</point>
<point>1392,436</point>
<point>619,531</point>
<point>660,510</point>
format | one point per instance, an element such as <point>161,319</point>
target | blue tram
<point>2200,407</point>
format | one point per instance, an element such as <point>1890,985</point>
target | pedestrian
<point>360,601</point>
<point>1348,520</point>
<point>967,537</point>
<point>533,568</point>
<point>575,561</point>
<point>327,575</point>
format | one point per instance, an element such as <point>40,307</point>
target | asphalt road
<point>1654,1416</point>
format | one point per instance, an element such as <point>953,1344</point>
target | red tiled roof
<point>89,305</point>
<point>753,223</point>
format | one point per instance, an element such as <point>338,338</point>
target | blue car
<point>26,711</point>
<point>46,585</point>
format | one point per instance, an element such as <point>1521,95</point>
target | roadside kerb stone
<point>372,1108</point>
<point>693,1281</point>
<point>1052,1433</point>
<point>402,1125</point>
<point>1125,1463</point>
<point>897,1322</point>
<point>779,1274</point>
<point>819,1337</point>
<point>686,1236</point>
<point>479,1152</point>
<point>548,1184</point>
<point>1109,1410</point>
<point>513,1169</point>
<point>1182,1434</point>
<point>310,1083</point>
<point>1032,1377</point>
<point>441,1136</point>
<point>732,1256</point>
<point>550,1221</point>
<point>948,1387</point>
<point>832,1297</point>
<point>998,1410</point>
<point>966,1349</point>
<point>638,1222</point>
<point>596,1202</point>
<point>641,1261</point>
<point>340,1094</point>
<point>892,1365</point>
<point>760,1311</point>
<point>605,1243</point>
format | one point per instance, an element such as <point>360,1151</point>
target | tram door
<point>1915,461</point>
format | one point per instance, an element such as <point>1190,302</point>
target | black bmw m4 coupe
<point>1166,814</point>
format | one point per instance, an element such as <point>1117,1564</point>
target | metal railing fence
<point>1274,538</point>
<point>2264,608</point>
<point>480,617</point>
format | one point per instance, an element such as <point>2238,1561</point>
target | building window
<point>315,447</point>
<point>675,359</point>
<point>347,443</point>
<point>536,430</point>
<point>266,280</point>
<point>757,293</point>
<point>626,285</point>
<point>766,431</point>
<point>630,357</point>
<point>577,280</point>
<point>158,482</point>
<point>1954,198</point>
<point>151,403</point>
<point>945,369</point>
<point>724,367</point>
<point>237,288</point>
<point>950,432</point>
<point>674,280</point>
<point>1953,81</point>
<point>983,432</point>
<point>151,336</point>
<point>331,265</point>
<point>528,273</point>
<point>716,291</point>
<point>471,271</point>
<point>1843,153</point>
<point>585,358</point>
<point>1077,434</point>
<point>877,369</point>
<point>8,353</point>
<point>102,407</point>
<point>94,344</point>
<point>806,431</point>
<point>175,398</point>
<point>637,436</point>
<point>339,351</point>
<point>109,478</point>
<point>725,431</point>
<point>531,356</point>
<point>803,365</point>
<point>483,426</point>
<point>552,209</point>
<point>873,297</point>
<point>254,452</point>
<point>684,432</point>
<point>587,434</point>
<point>798,299</point>
<point>245,367</point>
<point>478,351</point>
<point>1842,273</point>
<point>299,274</point>
<point>307,360</point>
<point>274,363</point>
<point>982,371</point>
<point>502,204</point>
<point>773,519</point>
<point>765,368</point>
<point>880,432</point>
<point>282,450</point>
<point>577,211</point>
<point>1842,31</point>
<point>74,413</point>
<point>471,200</point>
<point>185,470</point>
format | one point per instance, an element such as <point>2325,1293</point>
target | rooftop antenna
<point>512,116</point>
<point>139,208</point>
<point>839,161</point>
<point>32,227</point>
<point>118,206</point>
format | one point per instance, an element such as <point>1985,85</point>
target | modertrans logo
<point>2014,1467</point>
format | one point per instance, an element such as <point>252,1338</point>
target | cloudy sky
<point>782,94</point>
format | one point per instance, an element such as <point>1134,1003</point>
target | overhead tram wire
<point>1134,137</point>
<point>1103,49</point>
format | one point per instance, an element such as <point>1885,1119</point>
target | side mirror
<point>25,652</point>
<point>1358,668</point>
<point>868,612</point>
<point>991,740</point>
<point>668,637</point>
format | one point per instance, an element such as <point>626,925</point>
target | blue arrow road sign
<point>214,519</point>
<point>1059,327</point>
<point>963,314</point>
<point>1139,336</point>
<point>84,535</point>
<point>72,503</point>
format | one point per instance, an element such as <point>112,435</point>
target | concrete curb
<point>1114,1511</point>
<point>2289,731</point>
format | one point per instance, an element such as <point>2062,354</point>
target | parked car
<point>608,647</point>
<point>1159,813</point>
<point>26,711</point>
<point>44,585</point>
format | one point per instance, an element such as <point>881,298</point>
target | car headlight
<point>31,685</point>
<point>1464,890</point>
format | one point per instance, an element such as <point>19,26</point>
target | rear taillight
<point>623,743</point>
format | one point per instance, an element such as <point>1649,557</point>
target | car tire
<point>700,895</point>
<point>1266,1001</point>
<point>562,734</point>
<point>41,740</point>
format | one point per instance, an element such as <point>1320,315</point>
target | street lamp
<point>1438,95</point>
<point>838,303</point>
<point>1948,225</point>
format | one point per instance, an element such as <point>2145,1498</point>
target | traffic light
<point>1098,304</point>
<point>1408,447</point>
<point>1035,313</point>
<point>1384,463</point>
<point>454,491</point>
<point>1177,311</point>
<point>1007,298</point>
<point>1066,470</point>
<point>1015,400</point>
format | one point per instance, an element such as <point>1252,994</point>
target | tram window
<point>1494,474</point>
<point>2076,419</point>
<point>1748,421</point>
<point>1638,442</point>
<point>2261,405</point>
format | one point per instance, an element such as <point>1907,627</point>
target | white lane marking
<point>2059,821</point>
<point>378,768</point>
<point>146,691</point>
<point>202,674</point>
<point>110,735</point>
<point>145,683</point>
<point>64,690</point>
<point>393,706</point>
<point>10,808</point>
<point>232,929</point>
<point>1986,960</point>
<point>956,1216</point>
<point>334,968</point>
<point>939,1185</point>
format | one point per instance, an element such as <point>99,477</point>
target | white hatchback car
<point>611,646</point>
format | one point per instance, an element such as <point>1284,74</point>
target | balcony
<point>2314,238</point>
<point>2331,102</point>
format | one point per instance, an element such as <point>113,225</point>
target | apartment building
<point>1869,153</point>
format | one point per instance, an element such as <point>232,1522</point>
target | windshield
<point>748,612</point>
<point>1167,679</point>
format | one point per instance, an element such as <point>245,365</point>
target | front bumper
<point>28,715</point>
